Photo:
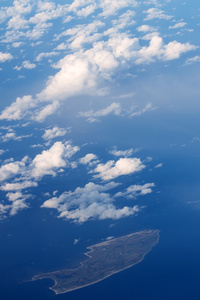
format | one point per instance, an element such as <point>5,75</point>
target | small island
<point>105,259</point>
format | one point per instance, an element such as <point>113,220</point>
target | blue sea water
<point>36,241</point>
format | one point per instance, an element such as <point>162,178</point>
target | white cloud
<point>148,107</point>
<point>28,65</point>
<point>11,169</point>
<point>18,186</point>
<point>5,56</point>
<point>53,159</point>
<point>157,50</point>
<point>53,133</point>
<point>89,202</point>
<point>89,158</point>
<point>46,55</point>
<point>192,60</point>
<point>146,28</point>
<point>46,111</point>
<point>92,116</point>
<point>156,13</point>
<point>178,25</point>
<point>124,166</point>
<point>159,165</point>
<point>18,109</point>
<point>125,153</point>
<point>136,190</point>
<point>110,7</point>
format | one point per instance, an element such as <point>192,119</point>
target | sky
<point>77,79</point>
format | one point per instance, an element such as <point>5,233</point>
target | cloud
<point>28,65</point>
<point>50,160</point>
<point>5,56</point>
<point>18,186</point>
<point>11,135</point>
<point>10,170</point>
<point>157,50</point>
<point>146,28</point>
<point>92,116</point>
<point>125,153</point>
<point>178,25</point>
<point>18,109</point>
<point>136,190</point>
<point>53,133</point>
<point>124,166</point>
<point>40,115</point>
<point>148,107</point>
<point>192,60</point>
<point>89,202</point>
<point>156,13</point>
<point>111,7</point>
<point>159,166</point>
<point>46,55</point>
<point>89,158</point>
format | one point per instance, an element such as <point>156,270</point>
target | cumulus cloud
<point>157,50</point>
<point>5,56</point>
<point>53,133</point>
<point>18,186</point>
<point>156,13</point>
<point>124,166</point>
<point>89,202</point>
<point>18,109</point>
<point>89,158</point>
<point>50,160</point>
<point>110,7</point>
<point>136,190</point>
<point>125,153</point>
<point>10,170</point>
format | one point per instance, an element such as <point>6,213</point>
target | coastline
<point>91,248</point>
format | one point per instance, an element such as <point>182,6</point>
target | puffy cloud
<point>45,55</point>
<point>89,158</point>
<point>49,160</point>
<point>136,190</point>
<point>110,7</point>
<point>73,78</point>
<point>28,65</point>
<point>124,153</point>
<point>157,49</point>
<point>5,56</point>
<point>156,13</point>
<point>174,49</point>
<point>18,109</point>
<point>18,186</point>
<point>53,133</point>
<point>46,111</point>
<point>11,169</point>
<point>146,28</point>
<point>89,202</point>
<point>124,166</point>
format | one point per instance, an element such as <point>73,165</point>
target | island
<point>104,259</point>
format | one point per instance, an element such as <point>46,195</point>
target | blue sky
<point>69,73</point>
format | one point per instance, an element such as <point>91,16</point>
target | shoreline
<point>51,275</point>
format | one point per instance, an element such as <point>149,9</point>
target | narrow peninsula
<point>105,259</point>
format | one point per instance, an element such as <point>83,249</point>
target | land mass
<point>105,259</point>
